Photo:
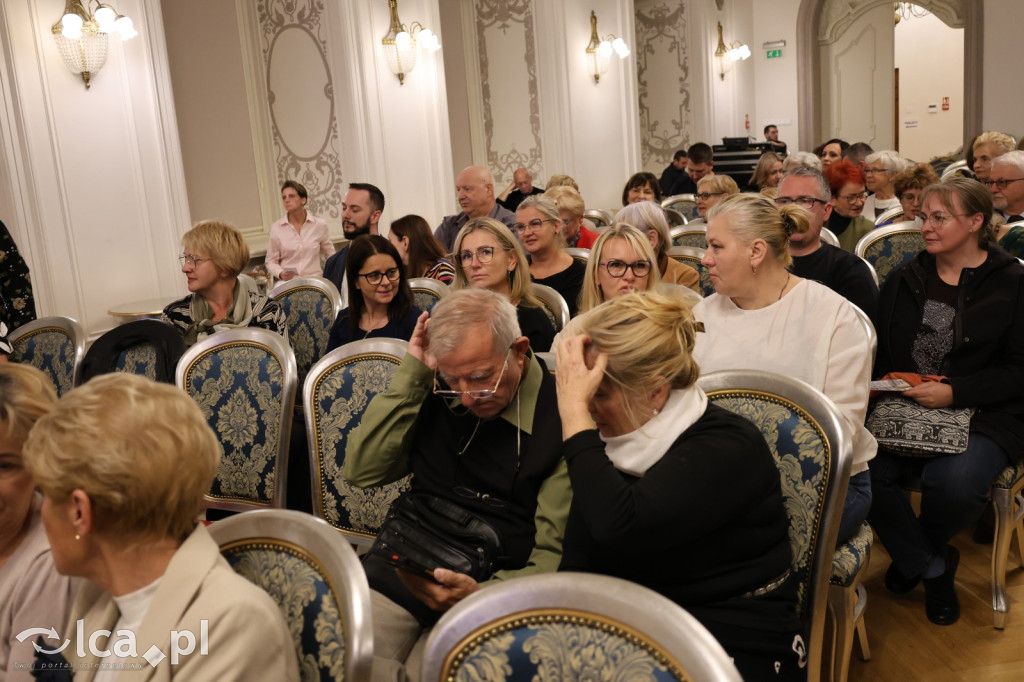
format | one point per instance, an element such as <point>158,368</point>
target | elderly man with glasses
<point>839,270</point>
<point>474,417</point>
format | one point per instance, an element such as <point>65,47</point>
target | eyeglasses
<point>191,260</point>
<point>1001,184</point>
<point>474,393</point>
<point>374,278</point>
<point>704,196</point>
<point>806,202</point>
<point>485,254</point>
<point>532,225</point>
<point>617,268</point>
<point>871,171</point>
<point>861,196</point>
<point>940,219</point>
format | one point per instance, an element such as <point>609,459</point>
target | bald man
<point>475,188</point>
<point>521,187</point>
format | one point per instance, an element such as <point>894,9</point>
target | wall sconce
<point>725,56</point>
<point>400,43</point>
<point>81,36</point>
<point>599,50</point>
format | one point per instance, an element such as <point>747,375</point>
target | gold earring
<point>77,536</point>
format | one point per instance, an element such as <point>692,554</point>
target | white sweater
<point>812,334</point>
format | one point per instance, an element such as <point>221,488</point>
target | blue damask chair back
<point>311,305</point>
<point>150,348</point>
<point>691,256</point>
<point>336,394</point>
<point>686,204</point>
<point>887,249</point>
<point>244,380</point>
<point>427,291</point>
<point>694,234</point>
<point>572,626</point>
<point>317,581</point>
<point>55,345</point>
<point>813,451</point>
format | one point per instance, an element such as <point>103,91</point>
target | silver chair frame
<point>434,287</point>
<point>279,348</point>
<point>829,237</point>
<point>554,302</point>
<point>318,283</point>
<point>887,216</point>
<point>675,218</point>
<point>600,217</point>
<point>582,255</point>
<point>69,326</point>
<point>336,560</point>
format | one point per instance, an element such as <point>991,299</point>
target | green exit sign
<point>772,54</point>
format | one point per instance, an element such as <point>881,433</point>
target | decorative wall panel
<point>300,94</point>
<point>663,72</point>
<point>505,43</point>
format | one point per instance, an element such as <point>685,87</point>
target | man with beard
<point>360,213</point>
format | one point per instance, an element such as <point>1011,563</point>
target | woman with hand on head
<point>422,254</point>
<point>123,463</point>
<point>761,316</point>
<point>487,256</point>
<point>380,301</point>
<point>299,239</point>
<point>214,255</point>
<point>649,218</point>
<point>847,221</point>
<point>32,593</point>
<point>656,497</point>
<point>539,226</point>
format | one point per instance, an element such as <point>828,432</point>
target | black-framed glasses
<point>534,224</point>
<point>474,393</point>
<point>860,196</point>
<point>485,254</point>
<point>191,260</point>
<point>374,278</point>
<point>806,202</point>
<point>704,196</point>
<point>1001,184</point>
<point>617,268</point>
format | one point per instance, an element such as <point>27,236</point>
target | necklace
<point>375,325</point>
<point>786,284</point>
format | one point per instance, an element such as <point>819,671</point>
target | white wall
<point>775,81</point>
<point>930,57</point>
<point>1004,98</point>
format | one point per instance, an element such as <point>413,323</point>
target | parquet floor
<point>905,647</point>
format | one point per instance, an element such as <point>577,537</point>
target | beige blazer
<point>247,636</point>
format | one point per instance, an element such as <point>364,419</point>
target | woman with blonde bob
<point>713,188</point>
<point>487,256</point>
<point>621,262</point>
<point>123,463</point>
<point>767,173</point>
<point>649,218</point>
<point>761,316</point>
<point>662,464</point>
<point>214,255</point>
<point>32,593</point>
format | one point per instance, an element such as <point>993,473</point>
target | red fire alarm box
<point>945,104</point>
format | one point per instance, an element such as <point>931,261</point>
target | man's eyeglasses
<point>191,260</point>
<point>485,254</point>
<point>474,393</point>
<point>532,225</point>
<point>860,196</point>
<point>617,268</point>
<point>1001,184</point>
<point>704,196</point>
<point>806,202</point>
<point>374,278</point>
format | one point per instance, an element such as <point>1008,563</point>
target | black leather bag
<point>423,532</point>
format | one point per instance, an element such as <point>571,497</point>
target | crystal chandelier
<point>400,43</point>
<point>81,36</point>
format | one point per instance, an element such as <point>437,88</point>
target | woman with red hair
<point>848,195</point>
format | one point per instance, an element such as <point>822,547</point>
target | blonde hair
<point>591,295</point>
<point>648,338</point>
<point>1001,141</point>
<point>753,216</point>
<point>719,183</point>
<point>759,178</point>
<point>568,199</point>
<point>797,159</point>
<point>26,394</point>
<point>142,452</point>
<point>561,180</point>
<point>644,216</point>
<point>519,278</point>
<point>221,243</point>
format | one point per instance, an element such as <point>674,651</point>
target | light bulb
<point>403,41</point>
<point>105,18</point>
<point>428,40</point>
<point>125,27</point>
<point>72,26</point>
<point>619,45</point>
<point>605,49</point>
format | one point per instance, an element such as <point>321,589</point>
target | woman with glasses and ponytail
<point>379,297</point>
<point>488,256</point>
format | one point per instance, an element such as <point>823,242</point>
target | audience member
<point>561,180</point>
<point>298,239</point>
<point>846,220</point>
<point>767,173</point>
<point>621,262</point>
<point>700,161</point>
<point>421,253</point>
<point>673,172</point>
<point>839,270</point>
<point>380,302</point>
<point>857,154</point>
<point>17,305</point>
<point>797,159</point>
<point>571,210</point>
<point>123,463</point>
<point>475,188</point>
<point>215,254</point>
<point>32,593</point>
<point>1007,190</point>
<point>521,187</point>
<point>711,189</point>
<point>987,147</point>
<point>662,463</point>
<point>955,311</point>
<point>487,256</point>
<point>909,184</point>
<point>641,187</point>
<point>540,230</point>
<point>881,168</point>
<point>360,214</point>
<point>649,218</point>
<point>771,135</point>
<point>831,151</point>
<point>761,316</point>
<point>487,438</point>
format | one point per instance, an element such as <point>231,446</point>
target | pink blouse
<point>299,251</point>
